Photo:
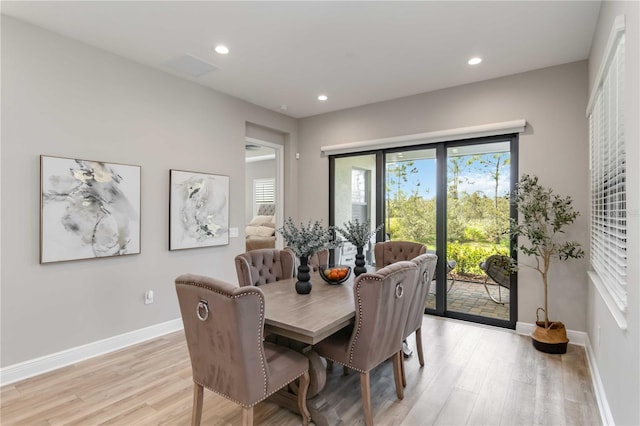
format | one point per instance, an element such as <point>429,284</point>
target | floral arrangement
<point>306,239</point>
<point>357,233</point>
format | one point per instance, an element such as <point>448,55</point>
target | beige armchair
<point>389,252</point>
<point>224,327</point>
<point>382,305</point>
<point>263,266</point>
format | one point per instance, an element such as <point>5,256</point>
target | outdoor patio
<point>471,297</point>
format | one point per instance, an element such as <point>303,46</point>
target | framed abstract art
<point>88,209</point>
<point>198,210</point>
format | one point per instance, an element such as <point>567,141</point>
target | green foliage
<point>306,239</point>
<point>544,217</point>
<point>468,257</point>
<point>474,233</point>
<point>357,233</point>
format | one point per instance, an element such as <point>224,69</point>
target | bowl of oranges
<point>334,274</point>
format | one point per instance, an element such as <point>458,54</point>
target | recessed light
<point>474,61</point>
<point>322,97</point>
<point>222,49</point>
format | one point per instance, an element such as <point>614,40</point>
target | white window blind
<point>264,191</point>
<point>608,177</point>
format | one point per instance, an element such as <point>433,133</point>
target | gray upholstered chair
<point>426,264</point>
<point>382,302</point>
<point>224,327</point>
<point>321,257</point>
<point>263,266</point>
<point>389,252</point>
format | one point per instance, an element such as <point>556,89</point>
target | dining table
<point>304,320</point>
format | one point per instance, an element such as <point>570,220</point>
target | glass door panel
<point>354,197</point>
<point>478,183</point>
<point>410,200</point>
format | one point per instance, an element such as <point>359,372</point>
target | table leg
<point>322,414</point>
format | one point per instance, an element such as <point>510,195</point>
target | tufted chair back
<point>389,252</point>
<point>263,266</point>
<point>224,329</point>
<point>267,209</point>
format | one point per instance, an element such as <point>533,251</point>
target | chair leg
<point>419,346</point>
<point>247,416</point>
<point>499,302</point>
<point>451,283</point>
<point>329,364</point>
<point>196,415</point>
<point>397,374</point>
<point>345,370</point>
<point>302,398</point>
<point>365,390</point>
<point>404,376</point>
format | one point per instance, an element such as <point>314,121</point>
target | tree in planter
<point>544,215</point>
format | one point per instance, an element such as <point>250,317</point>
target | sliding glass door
<point>450,196</point>
<point>410,200</point>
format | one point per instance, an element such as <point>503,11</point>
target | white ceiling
<point>286,53</point>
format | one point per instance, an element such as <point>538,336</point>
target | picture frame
<point>198,210</point>
<point>88,209</point>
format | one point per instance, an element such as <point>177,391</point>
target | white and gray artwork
<point>199,210</point>
<point>89,209</point>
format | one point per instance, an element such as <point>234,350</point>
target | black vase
<point>303,285</point>
<point>360,268</point>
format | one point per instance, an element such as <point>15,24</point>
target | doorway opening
<point>264,170</point>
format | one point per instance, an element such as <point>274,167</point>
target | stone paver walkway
<point>471,297</point>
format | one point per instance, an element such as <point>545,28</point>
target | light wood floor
<point>473,375</point>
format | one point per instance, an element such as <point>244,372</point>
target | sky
<point>475,177</point>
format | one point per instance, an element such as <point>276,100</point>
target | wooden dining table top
<point>308,318</point>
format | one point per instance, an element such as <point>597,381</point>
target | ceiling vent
<point>190,65</point>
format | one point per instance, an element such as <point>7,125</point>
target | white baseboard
<point>33,367</point>
<point>598,387</point>
<point>575,337</point>
<point>582,339</point>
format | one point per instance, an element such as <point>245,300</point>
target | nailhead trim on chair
<point>260,332</point>
<point>355,338</point>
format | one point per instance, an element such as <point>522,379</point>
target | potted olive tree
<point>543,218</point>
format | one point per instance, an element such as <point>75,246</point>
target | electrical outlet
<point>233,232</point>
<point>148,297</point>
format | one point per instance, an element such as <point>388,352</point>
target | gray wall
<point>617,352</point>
<point>554,147</point>
<point>63,98</point>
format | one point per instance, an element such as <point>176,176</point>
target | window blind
<point>608,178</point>
<point>264,191</point>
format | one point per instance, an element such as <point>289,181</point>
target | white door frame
<point>279,150</point>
